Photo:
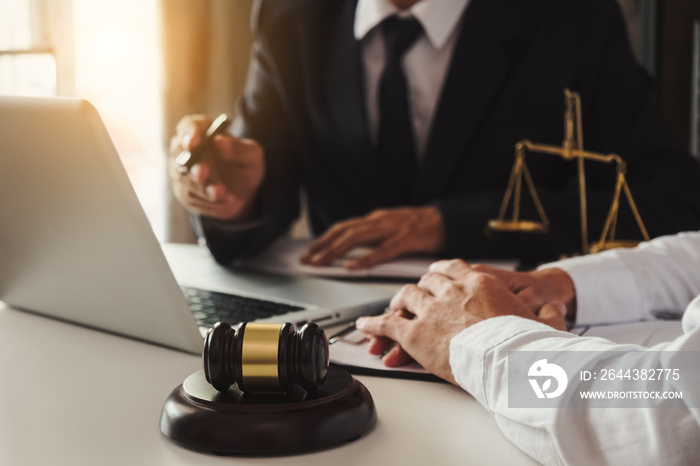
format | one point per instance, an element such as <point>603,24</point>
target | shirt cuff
<point>606,289</point>
<point>469,348</point>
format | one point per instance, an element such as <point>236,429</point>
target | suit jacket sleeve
<point>262,115</point>
<point>620,116</point>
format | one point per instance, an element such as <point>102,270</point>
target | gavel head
<point>265,357</point>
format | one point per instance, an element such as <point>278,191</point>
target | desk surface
<point>75,396</point>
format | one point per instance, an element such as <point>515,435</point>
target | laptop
<point>76,245</point>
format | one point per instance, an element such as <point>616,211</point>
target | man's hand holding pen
<point>224,182</point>
<point>217,175</point>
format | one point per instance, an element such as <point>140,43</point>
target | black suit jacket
<point>513,58</point>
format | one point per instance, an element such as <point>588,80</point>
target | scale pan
<point>618,243</point>
<point>525,226</point>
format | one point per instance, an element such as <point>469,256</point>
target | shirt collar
<point>439,18</point>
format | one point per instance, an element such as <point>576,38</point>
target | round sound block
<point>198,417</point>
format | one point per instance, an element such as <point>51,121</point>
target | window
<point>106,52</point>
<point>27,60</point>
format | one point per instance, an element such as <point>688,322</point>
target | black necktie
<point>396,142</point>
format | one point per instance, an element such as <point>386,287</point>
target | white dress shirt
<point>425,64</point>
<point>619,285</point>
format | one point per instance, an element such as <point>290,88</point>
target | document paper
<point>283,256</point>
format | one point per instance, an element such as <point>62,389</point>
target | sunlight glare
<point>118,69</point>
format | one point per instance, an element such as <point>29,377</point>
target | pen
<point>339,336</point>
<point>187,158</point>
<point>348,330</point>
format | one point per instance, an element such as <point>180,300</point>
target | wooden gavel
<point>265,357</point>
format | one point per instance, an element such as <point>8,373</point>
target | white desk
<point>75,396</point>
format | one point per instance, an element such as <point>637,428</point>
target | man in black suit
<point>399,119</point>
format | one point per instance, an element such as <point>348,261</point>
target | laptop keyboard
<point>210,307</point>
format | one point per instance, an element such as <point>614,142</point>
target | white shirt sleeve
<point>584,435</point>
<point>632,284</point>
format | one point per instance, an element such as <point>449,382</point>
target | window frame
<point>51,33</point>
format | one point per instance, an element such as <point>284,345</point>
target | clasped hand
<point>422,319</point>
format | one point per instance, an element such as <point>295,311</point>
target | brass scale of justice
<point>571,149</point>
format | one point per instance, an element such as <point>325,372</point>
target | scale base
<point>198,417</point>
